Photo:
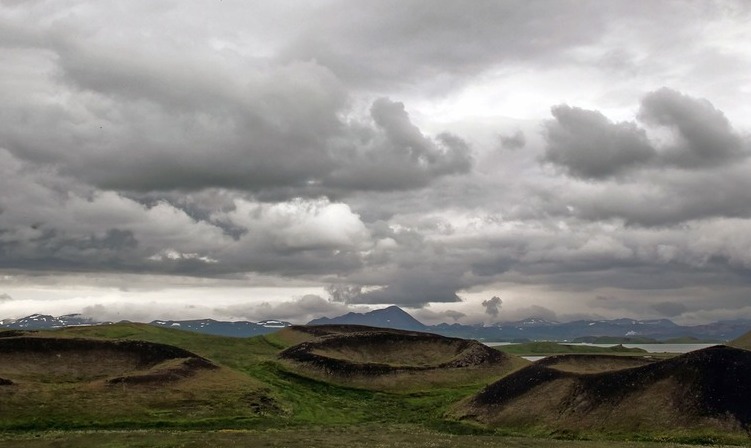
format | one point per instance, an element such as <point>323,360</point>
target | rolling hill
<point>702,391</point>
<point>52,381</point>
<point>388,359</point>
<point>743,341</point>
<point>345,377</point>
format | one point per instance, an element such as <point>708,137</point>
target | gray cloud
<point>698,171</point>
<point>588,145</point>
<point>670,309</point>
<point>414,288</point>
<point>419,41</point>
<point>398,156</point>
<point>346,144</point>
<point>147,121</point>
<point>300,311</point>
<point>517,140</point>
<point>5,298</point>
<point>343,293</point>
<point>705,137</point>
<point>454,315</point>
<point>492,306</point>
<point>533,311</point>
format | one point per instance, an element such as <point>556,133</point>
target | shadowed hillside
<point>384,358</point>
<point>702,390</point>
<point>743,341</point>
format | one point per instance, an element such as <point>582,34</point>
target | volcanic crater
<point>707,388</point>
<point>356,351</point>
<point>29,359</point>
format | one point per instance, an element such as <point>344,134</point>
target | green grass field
<point>255,400</point>
<point>351,436</point>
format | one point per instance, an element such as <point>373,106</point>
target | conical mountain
<point>391,317</point>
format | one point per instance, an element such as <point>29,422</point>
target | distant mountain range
<point>616,330</point>
<point>209,326</point>
<point>533,329</point>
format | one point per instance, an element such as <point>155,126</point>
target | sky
<point>469,161</point>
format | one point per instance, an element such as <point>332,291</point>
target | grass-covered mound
<point>377,358</point>
<point>69,382</point>
<point>554,348</point>
<point>579,363</point>
<point>29,359</point>
<point>743,341</point>
<point>702,391</point>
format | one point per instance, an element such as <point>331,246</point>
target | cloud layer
<point>573,158</point>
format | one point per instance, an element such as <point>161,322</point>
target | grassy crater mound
<point>579,363</point>
<point>393,360</point>
<point>44,359</point>
<point>379,352</point>
<point>703,390</point>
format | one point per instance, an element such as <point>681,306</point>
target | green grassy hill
<point>555,348</point>
<point>743,341</point>
<point>251,388</point>
<point>76,382</point>
<point>206,382</point>
<point>698,393</point>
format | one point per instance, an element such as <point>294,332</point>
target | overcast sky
<point>472,161</point>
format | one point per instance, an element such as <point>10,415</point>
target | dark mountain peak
<point>390,317</point>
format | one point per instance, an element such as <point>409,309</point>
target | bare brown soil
<point>707,388</point>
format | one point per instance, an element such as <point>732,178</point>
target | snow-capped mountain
<point>223,328</point>
<point>45,321</point>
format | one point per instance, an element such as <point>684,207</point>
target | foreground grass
<point>304,411</point>
<point>404,436</point>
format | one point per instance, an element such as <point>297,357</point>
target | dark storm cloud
<point>672,197</point>
<point>588,145</point>
<point>398,156</point>
<point>698,170</point>
<point>705,137</point>
<point>492,306</point>
<point>227,139</point>
<point>415,287</point>
<point>143,120</point>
